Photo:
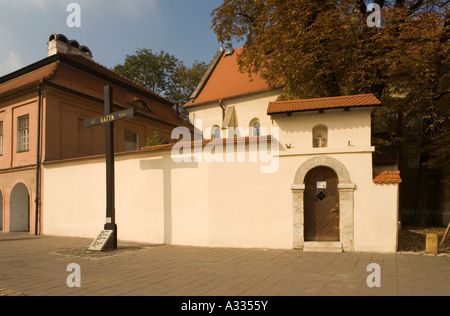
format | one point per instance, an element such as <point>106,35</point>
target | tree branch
<point>399,3</point>
<point>362,6</point>
<point>446,33</point>
<point>381,3</point>
<point>245,15</point>
<point>415,6</point>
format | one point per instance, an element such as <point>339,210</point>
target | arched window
<point>320,136</point>
<point>255,128</point>
<point>215,132</point>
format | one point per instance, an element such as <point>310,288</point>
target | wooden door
<point>321,205</point>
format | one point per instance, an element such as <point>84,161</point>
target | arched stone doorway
<point>322,205</point>
<point>19,209</point>
<point>345,197</point>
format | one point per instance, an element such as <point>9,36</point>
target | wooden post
<point>105,241</point>
<point>445,236</point>
<point>110,171</point>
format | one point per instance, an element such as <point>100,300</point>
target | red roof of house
<point>387,177</point>
<point>362,100</point>
<point>204,142</point>
<point>227,81</point>
<point>81,75</point>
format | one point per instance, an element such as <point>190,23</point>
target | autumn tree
<point>323,48</point>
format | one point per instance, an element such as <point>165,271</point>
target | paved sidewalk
<point>29,265</point>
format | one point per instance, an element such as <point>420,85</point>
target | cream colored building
<point>306,182</point>
<point>42,109</point>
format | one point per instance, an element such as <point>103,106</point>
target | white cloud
<point>10,64</point>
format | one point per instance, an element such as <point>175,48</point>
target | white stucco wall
<point>345,129</point>
<point>230,204</point>
<point>206,204</point>
<point>247,108</point>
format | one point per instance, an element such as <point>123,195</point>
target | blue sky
<point>110,28</point>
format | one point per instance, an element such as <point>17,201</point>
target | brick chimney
<point>58,43</point>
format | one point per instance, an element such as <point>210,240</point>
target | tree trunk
<point>420,215</point>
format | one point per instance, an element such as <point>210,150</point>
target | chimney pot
<point>58,43</point>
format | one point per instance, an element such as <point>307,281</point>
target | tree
<point>156,140</point>
<point>163,74</point>
<point>150,70</point>
<point>323,48</point>
<point>183,82</point>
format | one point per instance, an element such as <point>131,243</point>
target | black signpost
<point>108,121</point>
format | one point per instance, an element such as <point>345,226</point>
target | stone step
<point>322,247</point>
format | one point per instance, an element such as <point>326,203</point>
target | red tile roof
<point>362,100</point>
<point>85,76</point>
<point>227,81</point>
<point>32,78</point>
<point>387,177</point>
<point>86,64</point>
<point>204,142</point>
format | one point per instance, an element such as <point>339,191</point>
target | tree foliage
<point>184,81</point>
<point>156,140</point>
<point>323,48</point>
<point>163,74</point>
<point>150,70</point>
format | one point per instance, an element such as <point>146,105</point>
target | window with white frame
<point>131,141</point>
<point>23,133</point>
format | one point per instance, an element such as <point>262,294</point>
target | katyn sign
<point>107,120</point>
<point>113,117</point>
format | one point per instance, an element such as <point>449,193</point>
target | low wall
<point>206,204</point>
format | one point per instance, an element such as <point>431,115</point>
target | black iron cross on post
<point>108,121</point>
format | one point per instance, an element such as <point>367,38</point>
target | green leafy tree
<point>156,140</point>
<point>152,71</point>
<point>183,82</point>
<point>163,74</point>
<point>323,48</point>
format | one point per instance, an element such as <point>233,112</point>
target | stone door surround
<point>346,193</point>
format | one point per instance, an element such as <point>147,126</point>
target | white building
<point>298,174</point>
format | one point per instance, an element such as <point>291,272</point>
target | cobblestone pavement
<point>37,266</point>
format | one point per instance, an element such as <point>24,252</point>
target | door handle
<point>335,211</point>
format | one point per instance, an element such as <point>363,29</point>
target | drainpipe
<point>223,109</point>
<point>38,159</point>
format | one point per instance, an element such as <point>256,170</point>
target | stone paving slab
<point>34,266</point>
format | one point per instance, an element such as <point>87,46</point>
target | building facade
<point>42,110</point>
<point>260,173</point>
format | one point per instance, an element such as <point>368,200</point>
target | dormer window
<point>320,136</point>
<point>140,105</point>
